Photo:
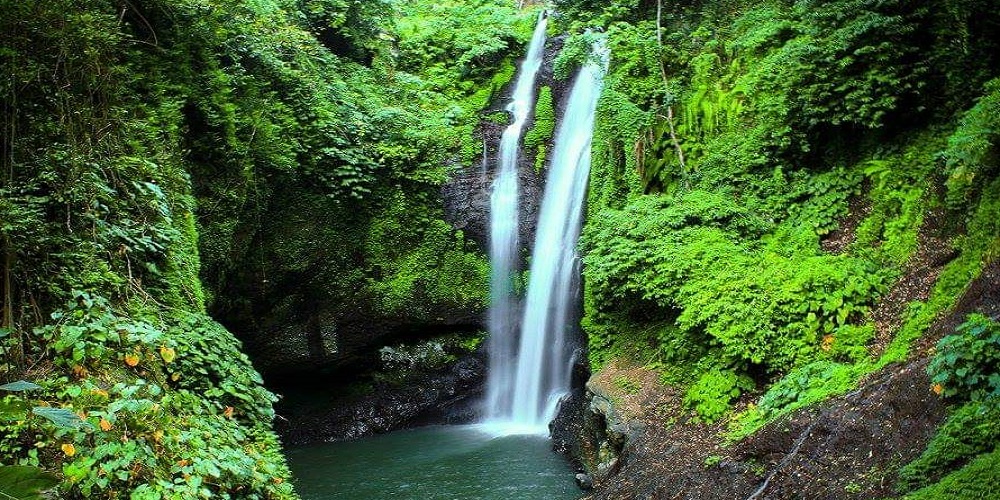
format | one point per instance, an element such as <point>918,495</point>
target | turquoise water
<point>452,462</point>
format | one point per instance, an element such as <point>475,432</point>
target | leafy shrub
<point>805,385</point>
<point>769,306</point>
<point>825,199</point>
<point>967,363</point>
<point>849,343</point>
<point>972,149</point>
<point>970,431</point>
<point>711,395</point>
<point>210,362</point>
<point>975,481</point>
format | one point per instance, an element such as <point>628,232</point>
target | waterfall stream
<point>502,321</point>
<point>543,361</point>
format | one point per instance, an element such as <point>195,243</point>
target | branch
<point>784,461</point>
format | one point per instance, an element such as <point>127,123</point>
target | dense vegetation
<point>765,171</point>
<point>168,158</point>
<point>733,141</point>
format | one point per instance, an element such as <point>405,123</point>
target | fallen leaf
<point>105,425</point>
<point>132,359</point>
<point>68,449</point>
<point>168,354</point>
<point>228,412</point>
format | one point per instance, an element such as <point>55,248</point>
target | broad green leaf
<point>22,482</point>
<point>13,409</point>
<point>61,417</point>
<point>20,385</point>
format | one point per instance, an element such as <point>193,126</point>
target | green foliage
<point>976,480</point>
<point>133,413</point>
<point>596,12</point>
<point>210,362</point>
<point>711,395</point>
<point>970,431</point>
<point>967,363</point>
<point>545,121</point>
<point>424,270</point>
<point>469,38</point>
<point>575,52</point>
<point>764,307</point>
<point>824,199</point>
<point>348,27</point>
<point>540,135</point>
<point>20,386</point>
<point>22,482</point>
<point>972,150</point>
<point>849,343</point>
<point>805,385</point>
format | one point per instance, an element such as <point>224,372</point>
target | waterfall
<point>543,361</point>
<point>502,320</point>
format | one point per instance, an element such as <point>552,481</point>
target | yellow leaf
<point>175,376</point>
<point>937,388</point>
<point>228,412</point>
<point>278,480</point>
<point>105,425</point>
<point>131,359</point>
<point>157,435</point>
<point>168,354</point>
<point>68,449</point>
<point>827,343</point>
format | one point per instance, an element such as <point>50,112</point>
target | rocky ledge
<point>394,398</point>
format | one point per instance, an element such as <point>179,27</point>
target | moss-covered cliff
<point>785,196</point>
<point>274,165</point>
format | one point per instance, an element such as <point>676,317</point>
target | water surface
<point>451,462</point>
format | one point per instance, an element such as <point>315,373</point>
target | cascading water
<point>544,363</point>
<point>502,319</point>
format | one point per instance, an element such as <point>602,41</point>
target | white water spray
<point>504,209</point>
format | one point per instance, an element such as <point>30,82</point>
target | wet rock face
<point>567,429</point>
<point>449,395</point>
<point>299,338</point>
<point>605,434</point>
<point>467,194</point>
